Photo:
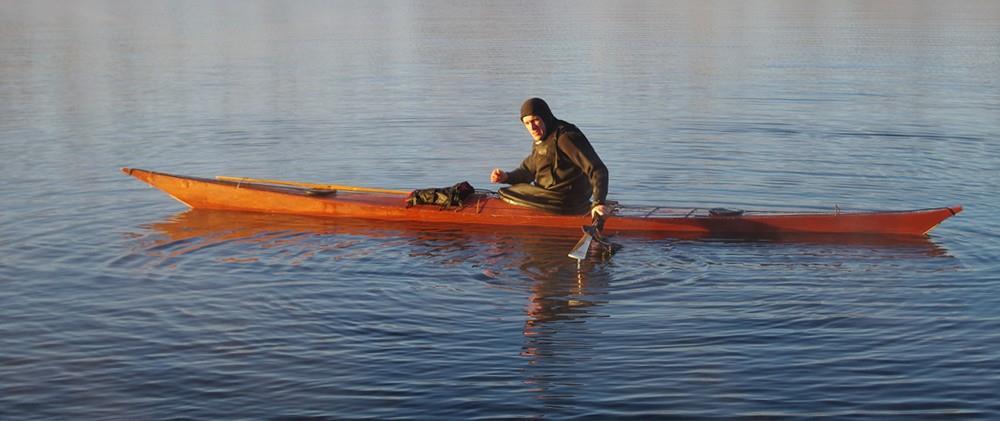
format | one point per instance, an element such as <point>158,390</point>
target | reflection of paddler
<point>556,307</point>
<point>552,300</point>
<point>559,291</point>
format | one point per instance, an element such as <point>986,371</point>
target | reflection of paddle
<point>591,234</point>
<point>310,185</point>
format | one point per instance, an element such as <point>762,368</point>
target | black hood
<point>538,107</point>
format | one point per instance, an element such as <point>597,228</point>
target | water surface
<point>118,303</point>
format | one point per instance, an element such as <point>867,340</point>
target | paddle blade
<point>579,251</point>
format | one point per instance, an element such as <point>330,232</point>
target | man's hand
<point>598,210</point>
<point>498,176</point>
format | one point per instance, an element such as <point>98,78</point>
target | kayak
<point>487,208</point>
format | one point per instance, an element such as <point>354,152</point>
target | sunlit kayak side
<point>483,208</point>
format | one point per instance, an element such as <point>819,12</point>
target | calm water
<point>117,303</point>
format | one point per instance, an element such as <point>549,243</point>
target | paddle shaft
<point>310,185</point>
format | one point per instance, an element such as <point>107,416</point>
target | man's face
<point>535,126</point>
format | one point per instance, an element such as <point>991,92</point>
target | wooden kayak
<point>486,208</point>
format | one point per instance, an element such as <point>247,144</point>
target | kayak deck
<point>485,208</point>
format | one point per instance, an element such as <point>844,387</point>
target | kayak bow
<point>271,196</point>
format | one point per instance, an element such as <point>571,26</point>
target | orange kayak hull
<point>487,209</point>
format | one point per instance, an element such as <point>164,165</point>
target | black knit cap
<point>538,107</point>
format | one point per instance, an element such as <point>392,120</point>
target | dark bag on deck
<point>445,196</point>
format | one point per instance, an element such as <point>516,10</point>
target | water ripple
<point>114,305</point>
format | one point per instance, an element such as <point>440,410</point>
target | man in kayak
<point>563,174</point>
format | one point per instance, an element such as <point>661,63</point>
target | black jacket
<point>565,163</point>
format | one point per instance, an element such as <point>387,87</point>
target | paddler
<point>563,174</point>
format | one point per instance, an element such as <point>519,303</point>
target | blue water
<point>118,303</point>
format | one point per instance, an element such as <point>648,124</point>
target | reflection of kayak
<point>487,209</point>
<point>205,227</point>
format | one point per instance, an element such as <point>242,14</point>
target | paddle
<point>310,185</point>
<point>591,234</point>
